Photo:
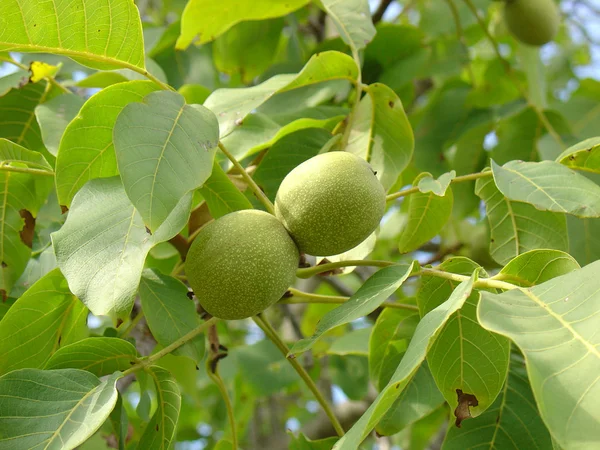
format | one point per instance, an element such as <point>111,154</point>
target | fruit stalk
<point>272,335</point>
<point>251,183</point>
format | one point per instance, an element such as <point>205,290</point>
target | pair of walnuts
<point>245,261</point>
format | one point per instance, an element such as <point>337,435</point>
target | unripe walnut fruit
<point>241,264</point>
<point>533,22</point>
<point>330,203</point>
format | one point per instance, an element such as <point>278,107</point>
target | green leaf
<point>54,116</point>
<point>160,431</point>
<point>285,154</point>
<point>102,246</point>
<point>120,422</point>
<point>361,251</point>
<point>555,326</point>
<point>352,18</point>
<point>86,149</point>
<point>427,215</point>
<point>382,134</point>
<point>582,156</point>
<point>301,442</point>
<point>465,356</point>
<point>518,227</point>
<point>549,186</point>
<point>584,239</point>
<point>98,355</point>
<point>512,422</point>
<point>537,266</point>
<point>194,93</point>
<point>207,19</point>
<point>420,397</point>
<point>169,312</point>
<point>57,409</point>
<point>248,48</point>
<point>352,343</point>
<point>425,335</point>
<point>221,195</point>
<point>43,319</point>
<point>97,35</point>
<point>370,295</point>
<point>14,153</point>
<point>21,196</point>
<point>389,340</point>
<point>164,150</point>
<point>13,80</point>
<point>351,374</point>
<point>517,137</point>
<point>232,105</point>
<point>17,116</point>
<point>439,186</point>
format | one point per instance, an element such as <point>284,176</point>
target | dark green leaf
<point>536,266</point>
<point>221,195</point>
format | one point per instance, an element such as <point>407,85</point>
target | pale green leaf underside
<point>164,150</point>
<point>518,227</point>
<point>169,312</point>
<point>14,153</point>
<point>370,295</point>
<point>382,134</point>
<point>427,215</point>
<point>425,334</point>
<point>86,150</point>
<point>556,327</point>
<point>160,431</point>
<point>208,19</point>
<point>221,195</point>
<point>232,105</point>
<point>352,18</point>
<point>439,186</point>
<point>582,156</point>
<point>38,322</point>
<point>549,186</point>
<point>53,409</point>
<point>103,34</point>
<point>102,246</point>
<point>54,116</point>
<point>511,423</point>
<point>98,355</point>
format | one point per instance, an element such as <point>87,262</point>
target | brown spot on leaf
<point>119,322</point>
<point>287,294</point>
<point>59,338</point>
<point>63,209</point>
<point>148,231</point>
<point>28,230</point>
<point>156,428</point>
<point>462,411</point>
<point>3,295</point>
<point>190,295</point>
<point>4,265</point>
<point>391,104</point>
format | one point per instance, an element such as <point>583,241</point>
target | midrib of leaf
<point>32,114</point>
<point>87,168</point>
<point>539,188</point>
<point>500,411</point>
<point>163,306</point>
<point>65,317</point>
<point>590,348</point>
<point>160,158</point>
<point>161,407</point>
<point>78,54</point>
<point>513,220</point>
<point>118,270</point>
<point>77,405</point>
<point>461,347</point>
<point>425,210</point>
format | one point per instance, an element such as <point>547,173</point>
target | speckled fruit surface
<point>533,22</point>
<point>330,203</point>
<point>241,264</point>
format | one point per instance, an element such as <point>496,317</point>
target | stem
<point>307,297</point>
<point>216,378</point>
<point>145,362</point>
<point>460,179</point>
<point>272,335</point>
<point>132,324</point>
<point>315,270</point>
<point>251,183</point>
<point>359,88</point>
<point>28,170</point>
<point>481,283</point>
<point>541,116</point>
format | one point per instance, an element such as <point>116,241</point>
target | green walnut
<point>241,264</point>
<point>533,22</point>
<point>330,203</point>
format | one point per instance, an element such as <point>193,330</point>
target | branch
<point>378,14</point>
<point>307,297</point>
<point>145,362</point>
<point>320,268</point>
<point>251,183</point>
<point>272,335</point>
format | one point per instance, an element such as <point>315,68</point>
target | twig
<point>307,297</point>
<point>461,38</point>
<point>272,335</point>
<point>378,14</point>
<point>461,179</point>
<point>251,183</point>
